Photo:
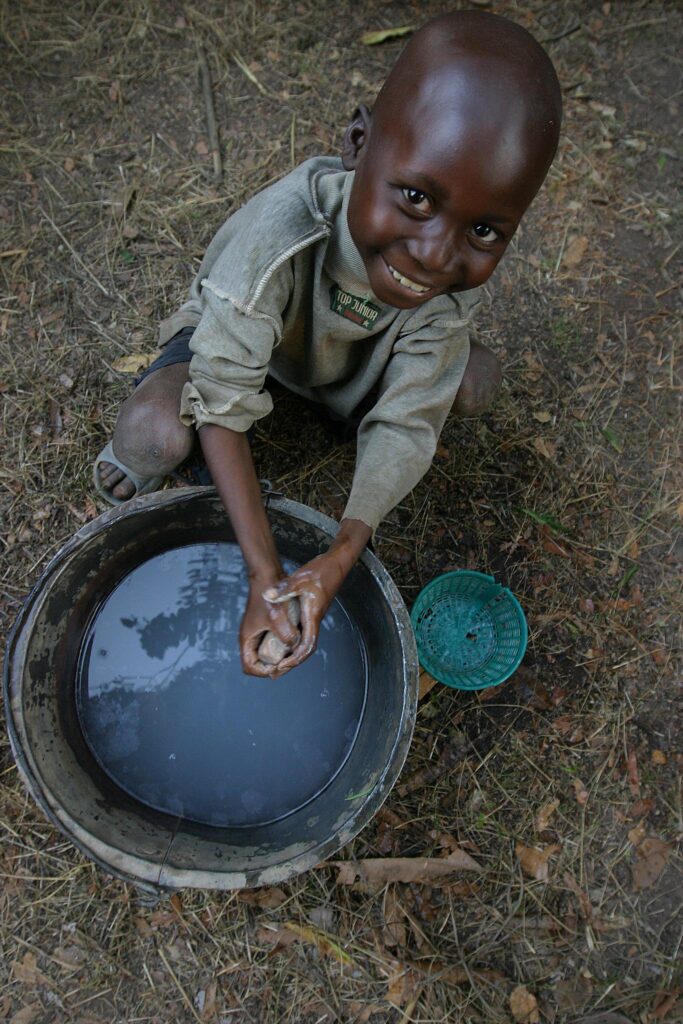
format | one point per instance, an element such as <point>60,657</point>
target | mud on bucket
<point>139,737</point>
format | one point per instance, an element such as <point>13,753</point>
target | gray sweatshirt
<point>282,289</point>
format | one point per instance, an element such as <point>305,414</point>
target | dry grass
<point>569,491</point>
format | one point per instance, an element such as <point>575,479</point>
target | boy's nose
<point>436,253</point>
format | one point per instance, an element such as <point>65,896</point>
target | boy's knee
<point>480,383</point>
<point>151,437</point>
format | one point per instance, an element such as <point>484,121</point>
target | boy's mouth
<point>407,282</point>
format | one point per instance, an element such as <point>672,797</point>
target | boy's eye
<point>417,199</point>
<point>485,233</point>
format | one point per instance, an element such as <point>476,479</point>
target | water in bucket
<point>169,715</point>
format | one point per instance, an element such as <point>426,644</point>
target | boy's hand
<point>316,584</point>
<point>260,617</point>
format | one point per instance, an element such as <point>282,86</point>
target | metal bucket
<point>158,851</point>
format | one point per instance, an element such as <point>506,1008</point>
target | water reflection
<point>170,716</point>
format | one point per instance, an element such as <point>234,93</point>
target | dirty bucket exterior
<point>154,850</point>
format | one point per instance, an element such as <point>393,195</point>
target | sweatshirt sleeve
<point>398,436</point>
<point>231,352</point>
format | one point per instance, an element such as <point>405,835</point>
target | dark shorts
<point>177,350</point>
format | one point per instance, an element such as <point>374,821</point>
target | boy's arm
<point>228,457</point>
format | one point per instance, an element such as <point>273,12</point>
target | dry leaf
<point>115,92</point>
<point>542,417</point>
<point>534,861</point>
<point>26,1015</point>
<point>27,971</point>
<point>325,944</point>
<point>404,869</point>
<point>658,757</point>
<point>373,38</point>
<point>393,927</point>
<point>134,363</point>
<point>267,899</point>
<point>580,792</point>
<point>403,986</point>
<point>209,1008</point>
<point>278,938</point>
<point>70,957</point>
<point>651,857</point>
<point>544,447</point>
<point>637,833</point>
<point>572,995</point>
<point>523,1006</point>
<point>632,770</point>
<point>545,814</point>
<point>202,148</point>
<point>575,251</point>
<point>69,165</point>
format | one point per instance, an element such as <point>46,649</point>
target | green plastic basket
<point>471,632</point>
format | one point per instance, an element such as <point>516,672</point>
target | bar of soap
<point>271,650</point>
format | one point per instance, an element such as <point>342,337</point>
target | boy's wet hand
<point>316,585</point>
<point>261,617</point>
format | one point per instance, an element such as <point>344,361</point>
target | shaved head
<point>474,68</point>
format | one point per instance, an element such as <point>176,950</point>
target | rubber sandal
<point>143,484</point>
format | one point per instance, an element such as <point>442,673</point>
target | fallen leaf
<point>543,416</point>
<point>651,857</point>
<point>403,986</point>
<point>115,92</point>
<point>632,769</point>
<point>637,833</point>
<point>642,807</point>
<point>575,251</point>
<point>209,1008</point>
<point>404,869</point>
<point>201,147</point>
<point>552,545</point>
<point>278,938</point>
<point>545,814</point>
<point>70,957</point>
<point>523,1006</point>
<point>658,757</point>
<point>133,363</point>
<point>373,38</point>
<point>393,926</point>
<point>534,861</point>
<point>324,943</point>
<point>563,724</point>
<point>580,792</point>
<point>27,971</point>
<point>363,1013</point>
<point>664,1001</point>
<point>69,164</point>
<point>267,899</point>
<point>130,231</point>
<point>544,447</point>
<point>26,1015</point>
<point>572,994</point>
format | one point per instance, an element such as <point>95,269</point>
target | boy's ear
<point>355,137</point>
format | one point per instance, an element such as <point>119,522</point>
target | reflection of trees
<point>205,608</point>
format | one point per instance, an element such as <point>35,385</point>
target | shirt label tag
<point>352,307</point>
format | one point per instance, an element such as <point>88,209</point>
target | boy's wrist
<point>349,544</point>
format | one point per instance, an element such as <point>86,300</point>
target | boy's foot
<point>116,482</point>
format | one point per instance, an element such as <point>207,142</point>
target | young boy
<point>350,279</point>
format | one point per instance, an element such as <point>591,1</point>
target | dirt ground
<point>564,784</point>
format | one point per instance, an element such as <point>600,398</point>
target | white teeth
<point>406,282</point>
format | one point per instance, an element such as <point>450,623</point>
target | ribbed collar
<point>343,262</point>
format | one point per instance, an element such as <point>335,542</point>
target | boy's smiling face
<point>445,168</point>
